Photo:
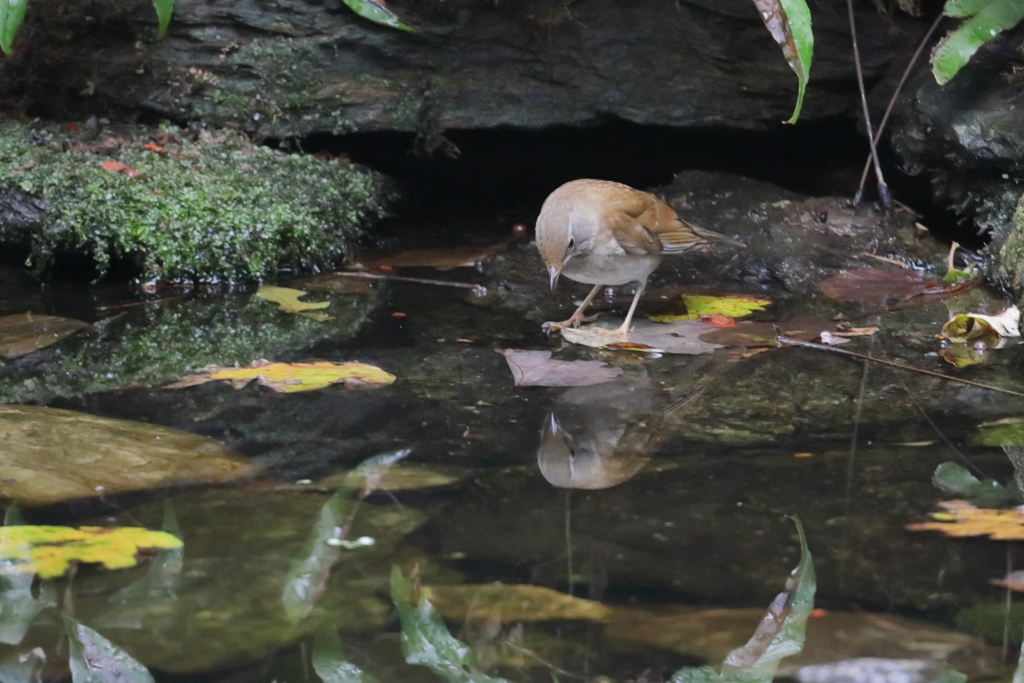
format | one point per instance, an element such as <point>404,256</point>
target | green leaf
<point>426,640</point>
<point>955,479</point>
<point>985,20</point>
<point>308,576</point>
<point>330,662</point>
<point>94,659</point>
<point>779,635</point>
<point>789,22</point>
<point>377,12</point>
<point>11,14</point>
<point>164,9</point>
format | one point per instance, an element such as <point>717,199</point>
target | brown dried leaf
<point>963,519</point>
<point>442,259</point>
<point>537,369</point>
<point>745,335</point>
<point>23,333</point>
<point>511,603</point>
<point>873,285</point>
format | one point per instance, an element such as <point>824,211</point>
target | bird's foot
<point>619,333</point>
<point>574,321</point>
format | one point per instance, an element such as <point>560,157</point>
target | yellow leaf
<point>48,550</point>
<point>700,304</point>
<point>292,377</point>
<point>288,300</point>
<point>963,519</point>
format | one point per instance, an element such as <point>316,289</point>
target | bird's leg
<point>576,318</point>
<point>624,328</point>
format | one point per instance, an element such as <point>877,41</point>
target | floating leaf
<point>51,455</point>
<point>511,603</point>
<point>949,477</point>
<point>964,327</point>
<point>985,20</point>
<point>747,335</point>
<point>426,640</point>
<point>377,12</point>
<point>683,337</point>
<point>164,9</point>
<point>698,305</point>
<point>789,22</point>
<point>292,377</point>
<point>94,659</point>
<point>873,285</point>
<point>288,301</point>
<point>12,12</point>
<point>441,259</point>
<point>536,369</point>
<point>780,634</point>
<point>49,550</point>
<point>23,333</point>
<point>963,519</point>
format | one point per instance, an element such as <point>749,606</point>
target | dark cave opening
<point>512,170</point>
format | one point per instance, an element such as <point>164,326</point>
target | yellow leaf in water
<point>288,300</point>
<point>698,305</point>
<point>963,519</point>
<point>49,550</point>
<point>292,377</point>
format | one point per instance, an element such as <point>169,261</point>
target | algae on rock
<point>213,209</point>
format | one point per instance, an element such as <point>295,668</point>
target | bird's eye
<point>572,242</point>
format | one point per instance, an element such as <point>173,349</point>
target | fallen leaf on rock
<point>856,332</point>
<point>511,603</point>
<point>537,369</point>
<point>745,334</point>
<point>682,337</point>
<point>832,339</point>
<point>873,285</point>
<point>963,519</point>
<point>697,305</point>
<point>288,301</point>
<point>441,259</point>
<point>23,333</point>
<point>118,167</point>
<point>1008,431</point>
<point>51,455</point>
<point>49,550</point>
<point>965,327</point>
<point>404,478</point>
<point>292,377</point>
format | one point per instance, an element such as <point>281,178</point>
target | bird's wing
<point>631,216</point>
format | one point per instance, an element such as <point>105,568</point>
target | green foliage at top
<point>985,19</point>
<point>11,14</point>
<point>378,13</point>
<point>201,211</point>
<point>803,37</point>
<point>164,9</point>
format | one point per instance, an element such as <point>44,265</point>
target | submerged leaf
<point>427,641</point>
<point>292,377</point>
<point>536,369</point>
<point>1006,432</point>
<point>94,659</point>
<point>511,603</point>
<point>780,634</point>
<point>51,455</point>
<point>49,550</point>
<point>330,661</point>
<point>747,335</point>
<point>23,333</point>
<point>955,479</point>
<point>985,20</point>
<point>963,519</point>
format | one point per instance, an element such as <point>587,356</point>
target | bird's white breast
<point>610,269</point>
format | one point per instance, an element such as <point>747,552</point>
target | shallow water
<point>677,521</point>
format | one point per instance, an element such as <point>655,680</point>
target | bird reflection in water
<point>600,436</point>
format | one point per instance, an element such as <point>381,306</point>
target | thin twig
<point>848,493</point>
<point>478,290</point>
<point>892,102</point>
<point>945,439</point>
<point>133,304</point>
<point>883,189</point>
<point>786,341</point>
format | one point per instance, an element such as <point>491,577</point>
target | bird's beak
<point>554,272</point>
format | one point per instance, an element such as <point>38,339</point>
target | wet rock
<point>299,67</point>
<point>968,137</point>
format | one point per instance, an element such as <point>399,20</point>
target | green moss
<point>1011,253</point>
<point>204,211</point>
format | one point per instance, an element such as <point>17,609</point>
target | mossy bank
<point>207,206</point>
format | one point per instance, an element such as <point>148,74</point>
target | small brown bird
<point>606,233</point>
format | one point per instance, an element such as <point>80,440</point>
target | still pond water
<point>657,501</point>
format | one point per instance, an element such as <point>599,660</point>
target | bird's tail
<point>712,236</point>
